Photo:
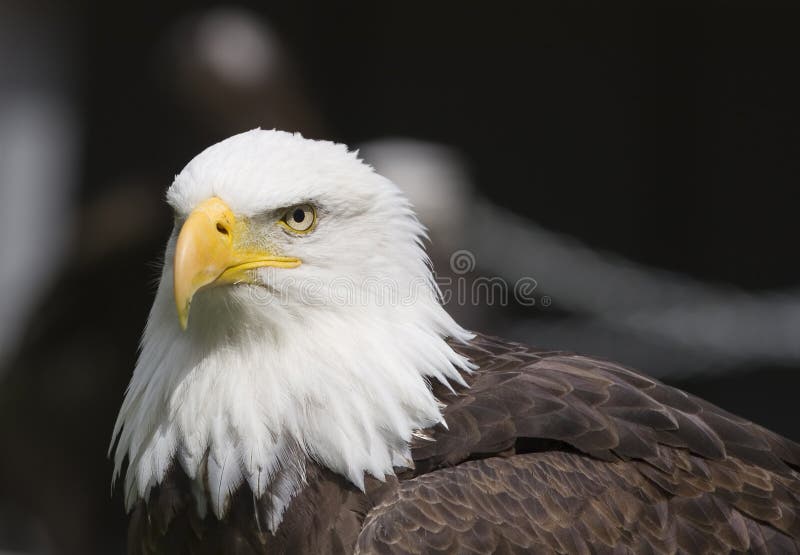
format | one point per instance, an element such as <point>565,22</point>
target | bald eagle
<point>300,389</point>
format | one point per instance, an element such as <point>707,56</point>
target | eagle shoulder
<point>559,452</point>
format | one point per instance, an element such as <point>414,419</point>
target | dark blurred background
<point>638,168</point>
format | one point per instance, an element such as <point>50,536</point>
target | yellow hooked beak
<point>208,253</point>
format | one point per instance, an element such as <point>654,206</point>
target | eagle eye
<point>300,218</point>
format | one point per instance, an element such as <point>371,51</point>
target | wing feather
<point>563,502</point>
<point>554,452</point>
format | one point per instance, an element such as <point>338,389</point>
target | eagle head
<point>296,319</point>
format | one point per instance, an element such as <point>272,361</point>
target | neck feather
<point>249,393</point>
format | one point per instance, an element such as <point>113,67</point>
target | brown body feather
<point>546,452</point>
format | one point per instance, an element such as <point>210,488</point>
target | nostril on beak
<point>222,229</point>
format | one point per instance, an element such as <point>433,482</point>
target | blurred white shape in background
<point>230,69</point>
<point>660,321</point>
<point>635,307</point>
<point>434,177</point>
<point>236,45</point>
<point>38,153</point>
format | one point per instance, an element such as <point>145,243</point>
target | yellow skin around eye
<point>307,208</point>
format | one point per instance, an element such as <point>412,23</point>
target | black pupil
<point>299,215</point>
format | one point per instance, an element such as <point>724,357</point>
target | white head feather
<point>329,360</point>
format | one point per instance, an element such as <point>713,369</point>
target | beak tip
<point>183,316</point>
